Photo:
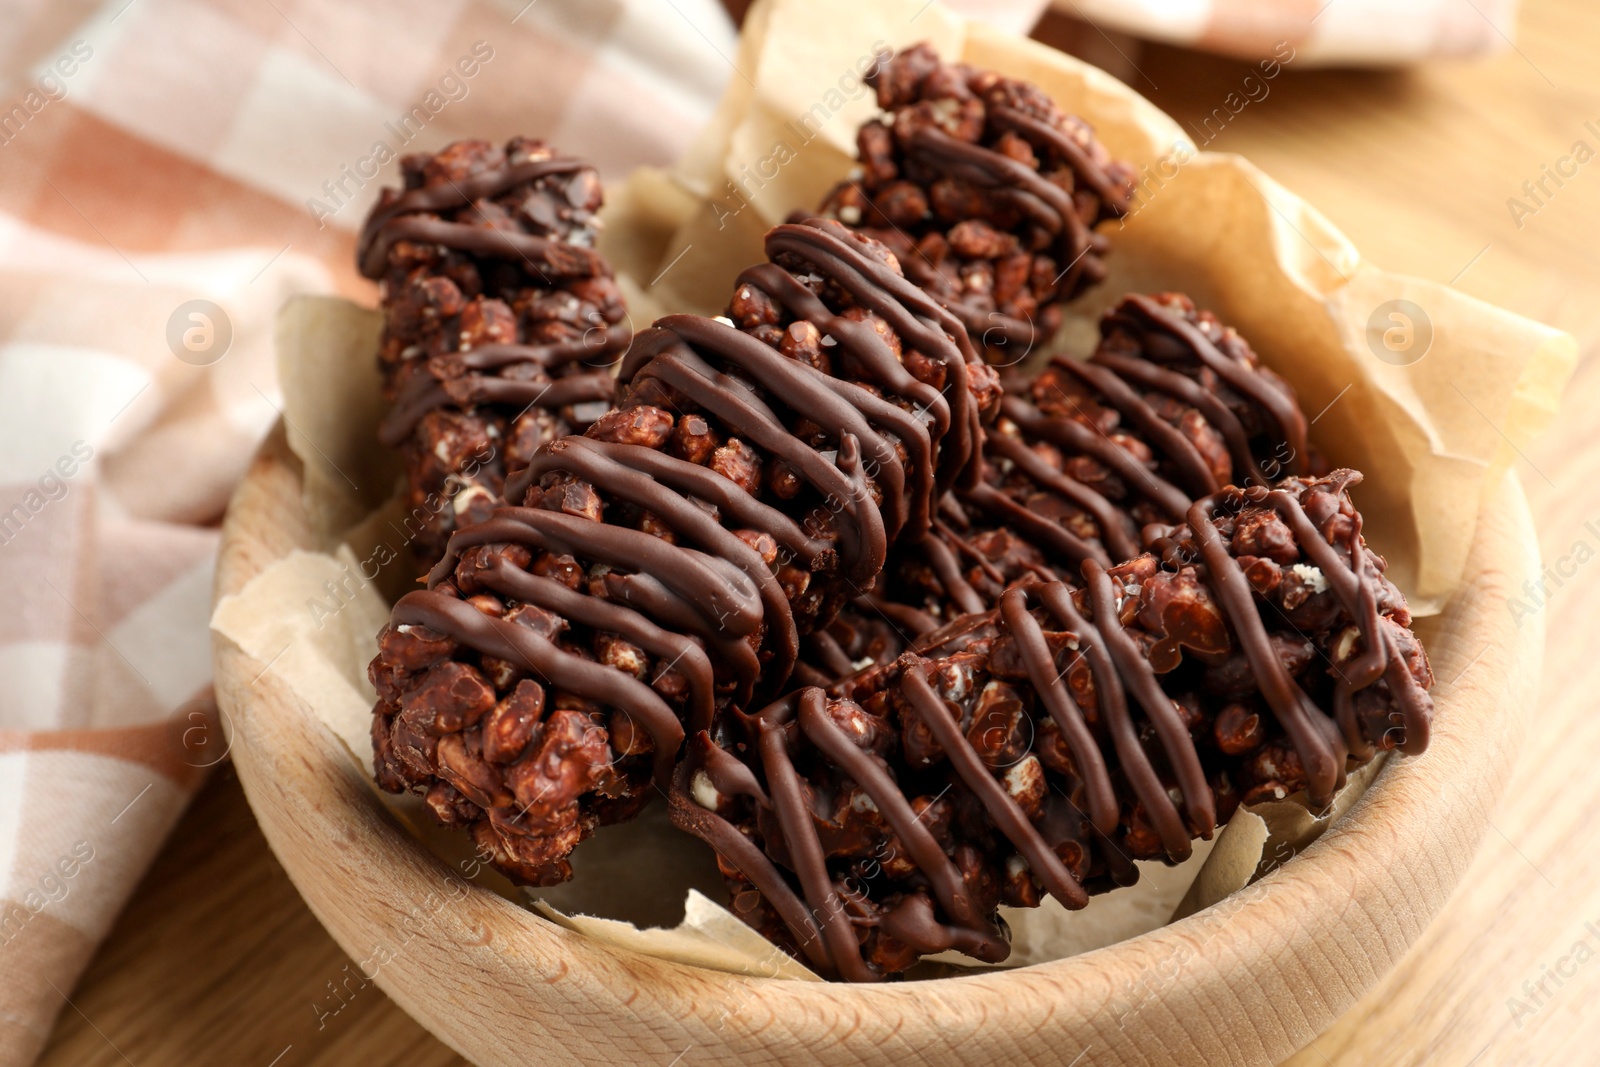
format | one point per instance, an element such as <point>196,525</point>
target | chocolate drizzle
<point>821,923</point>
<point>509,641</point>
<point>500,320</point>
<point>704,600</point>
<point>455,376</point>
<point>407,218</point>
<point>920,321</point>
<point>1098,667</point>
<point>1119,670</point>
<point>1323,743</point>
<point>421,394</point>
<point>1123,376</point>
<point>987,192</point>
<point>673,350</point>
<point>1042,201</point>
<point>1179,330</point>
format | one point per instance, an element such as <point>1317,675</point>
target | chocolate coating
<point>987,192</point>
<point>499,321</point>
<point>1171,406</point>
<point>1039,747</point>
<point>656,571</point>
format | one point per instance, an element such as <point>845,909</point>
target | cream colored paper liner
<point>311,618</point>
<point>1431,435</point>
<point>707,937</point>
<point>1051,932</point>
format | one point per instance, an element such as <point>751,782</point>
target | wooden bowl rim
<point>352,863</point>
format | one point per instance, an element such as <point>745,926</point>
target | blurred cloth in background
<point>170,172</point>
<point>1323,32</point>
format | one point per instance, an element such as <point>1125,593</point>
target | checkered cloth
<point>1321,32</point>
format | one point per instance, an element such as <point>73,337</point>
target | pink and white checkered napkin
<point>1322,32</point>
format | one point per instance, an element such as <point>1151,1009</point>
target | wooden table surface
<point>216,960</point>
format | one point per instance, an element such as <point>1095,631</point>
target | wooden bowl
<point>1247,982</point>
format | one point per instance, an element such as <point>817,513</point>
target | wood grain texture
<point>216,961</point>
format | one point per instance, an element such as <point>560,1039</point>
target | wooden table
<point>216,960</point>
